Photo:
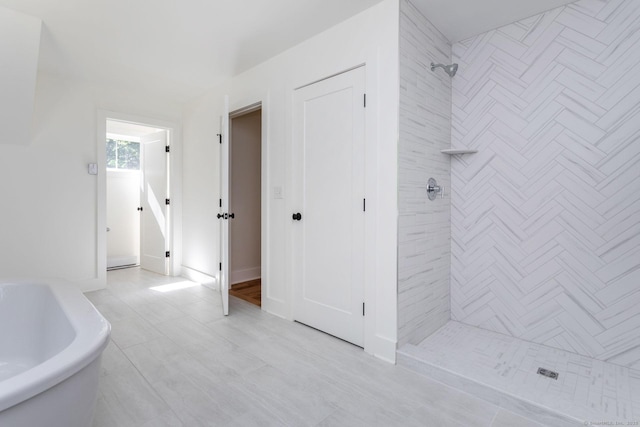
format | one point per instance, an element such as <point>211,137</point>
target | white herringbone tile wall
<point>546,216</point>
<point>424,226</point>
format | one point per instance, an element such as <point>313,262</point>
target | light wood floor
<point>250,291</point>
<point>175,360</point>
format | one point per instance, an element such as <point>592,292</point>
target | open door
<point>223,215</point>
<point>154,244</point>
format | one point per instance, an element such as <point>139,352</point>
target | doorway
<point>137,196</point>
<point>245,201</point>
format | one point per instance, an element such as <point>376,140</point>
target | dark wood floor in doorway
<point>250,291</point>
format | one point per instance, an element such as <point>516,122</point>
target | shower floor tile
<point>504,369</point>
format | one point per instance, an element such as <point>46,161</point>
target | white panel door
<point>328,236</point>
<point>153,193</point>
<point>223,215</point>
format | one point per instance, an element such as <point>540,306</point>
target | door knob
<point>297,216</point>
<point>226,215</point>
<point>139,209</point>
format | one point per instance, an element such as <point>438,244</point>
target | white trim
<point>120,137</point>
<point>245,106</point>
<point>382,348</point>
<point>123,171</point>
<point>120,261</point>
<point>269,303</point>
<point>244,275</point>
<point>90,285</point>
<point>355,67</point>
<point>371,217</point>
<point>245,110</point>
<point>101,203</point>
<point>200,277</point>
<point>175,190</point>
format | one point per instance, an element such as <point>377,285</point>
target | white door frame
<point>175,190</point>
<point>379,246</point>
<point>235,110</point>
<point>225,187</point>
<point>232,116</point>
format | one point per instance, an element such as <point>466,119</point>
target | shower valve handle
<point>433,189</point>
<point>436,190</point>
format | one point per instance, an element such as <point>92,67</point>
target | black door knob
<point>232,215</point>
<point>220,216</point>
<point>140,209</point>
<point>297,216</point>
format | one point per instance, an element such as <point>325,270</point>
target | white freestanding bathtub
<point>51,340</point>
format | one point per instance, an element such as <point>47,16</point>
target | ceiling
<point>461,19</point>
<point>179,49</point>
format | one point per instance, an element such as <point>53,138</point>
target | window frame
<point>117,139</point>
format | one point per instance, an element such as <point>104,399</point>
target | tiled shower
<point>532,257</point>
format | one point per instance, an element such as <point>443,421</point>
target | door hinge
<point>220,267</point>
<point>363,309</point>
<point>167,254</point>
<point>167,201</point>
<point>364,205</point>
<point>365,100</point>
<point>219,137</point>
<point>167,149</point>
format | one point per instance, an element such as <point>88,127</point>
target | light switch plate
<point>93,169</point>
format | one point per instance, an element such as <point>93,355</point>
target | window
<point>123,154</point>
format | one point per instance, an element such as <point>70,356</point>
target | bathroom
<point>502,197</point>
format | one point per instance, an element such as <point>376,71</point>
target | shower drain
<point>548,373</point>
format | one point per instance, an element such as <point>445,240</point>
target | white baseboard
<point>383,348</point>
<point>119,261</point>
<point>90,285</point>
<point>200,277</point>
<point>245,275</point>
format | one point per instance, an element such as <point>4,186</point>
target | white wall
<point>424,225</point>
<point>370,37</point>
<point>123,220</point>
<point>245,197</point>
<point>19,50</point>
<point>546,216</point>
<point>48,226</point>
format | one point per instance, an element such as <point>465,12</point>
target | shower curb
<point>510,402</point>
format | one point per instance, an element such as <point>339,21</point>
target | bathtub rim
<point>92,332</point>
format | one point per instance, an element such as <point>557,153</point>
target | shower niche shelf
<point>452,151</point>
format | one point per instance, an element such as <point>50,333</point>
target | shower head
<point>449,69</point>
